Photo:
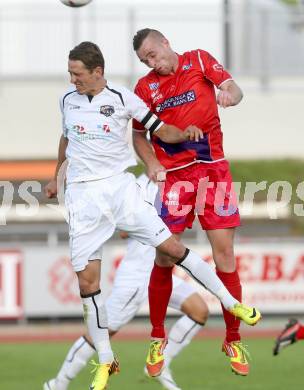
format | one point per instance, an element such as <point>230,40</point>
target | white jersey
<point>96,130</point>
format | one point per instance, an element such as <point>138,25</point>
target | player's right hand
<point>156,172</point>
<point>193,133</point>
<point>50,189</point>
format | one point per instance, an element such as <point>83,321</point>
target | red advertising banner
<point>11,277</point>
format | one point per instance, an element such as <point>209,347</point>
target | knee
<point>89,278</point>
<point>88,286</point>
<point>196,308</point>
<point>163,260</point>
<point>171,250</point>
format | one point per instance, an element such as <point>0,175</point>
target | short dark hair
<point>141,35</point>
<point>89,53</point>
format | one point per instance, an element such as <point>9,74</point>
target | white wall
<point>35,40</point>
<point>265,124</point>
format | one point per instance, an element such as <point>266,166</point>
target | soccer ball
<point>75,3</point>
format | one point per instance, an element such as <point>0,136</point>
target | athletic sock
<point>201,271</point>
<point>160,288</point>
<point>231,281</point>
<point>180,335</point>
<point>300,333</point>
<point>95,316</point>
<point>62,383</point>
<point>77,358</point>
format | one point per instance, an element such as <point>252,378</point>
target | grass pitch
<point>201,366</point>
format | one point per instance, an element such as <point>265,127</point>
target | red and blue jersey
<point>186,98</point>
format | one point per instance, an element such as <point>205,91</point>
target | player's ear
<point>99,71</point>
<point>165,42</point>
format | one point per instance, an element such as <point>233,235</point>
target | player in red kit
<point>180,90</point>
<point>293,332</point>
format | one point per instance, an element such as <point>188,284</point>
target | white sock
<point>201,271</point>
<point>95,316</point>
<point>77,358</point>
<point>180,335</point>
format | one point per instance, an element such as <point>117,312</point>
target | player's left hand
<point>224,99</point>
<point>193,133</point>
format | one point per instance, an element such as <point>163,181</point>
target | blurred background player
<point>292,332</point>
<point>128,293</point>
<point>180,89</point>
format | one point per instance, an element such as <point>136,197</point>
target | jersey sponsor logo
<point>83,135</point>
<point>74,107</point>
<point>106,128</point>
<point>160,232</point>
<point>218,67</point>
<point>156,96</point>
<point>187,67</point>
<point>154,86</point>
<point>175,101</point>
<point>79,129</point>
<point>107,110</point>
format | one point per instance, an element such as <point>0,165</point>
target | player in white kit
<point>130,290</point>
<point>100,196</point>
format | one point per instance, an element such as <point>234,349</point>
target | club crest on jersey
<point>154,86</point>
<point>173,198</point>
<point>107,110</point>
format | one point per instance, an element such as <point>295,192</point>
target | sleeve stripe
<point>156,125</point>
<point>66,95</point>
<point>201,62</point>
<point>151,122</point>
<point>117,93</point>
<point>146,118</point>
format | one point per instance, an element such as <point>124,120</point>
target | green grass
<point>200,367</point>
<point>269,170</point>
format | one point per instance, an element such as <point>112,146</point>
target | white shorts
<point>96,208</point>
<point>127,297</point>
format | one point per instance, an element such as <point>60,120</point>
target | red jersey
<point>186,98</point>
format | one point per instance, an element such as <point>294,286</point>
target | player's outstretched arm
<point>146,153</point>
<point>172,134</point>
<point>50,189</point>
<point>230,94</point>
